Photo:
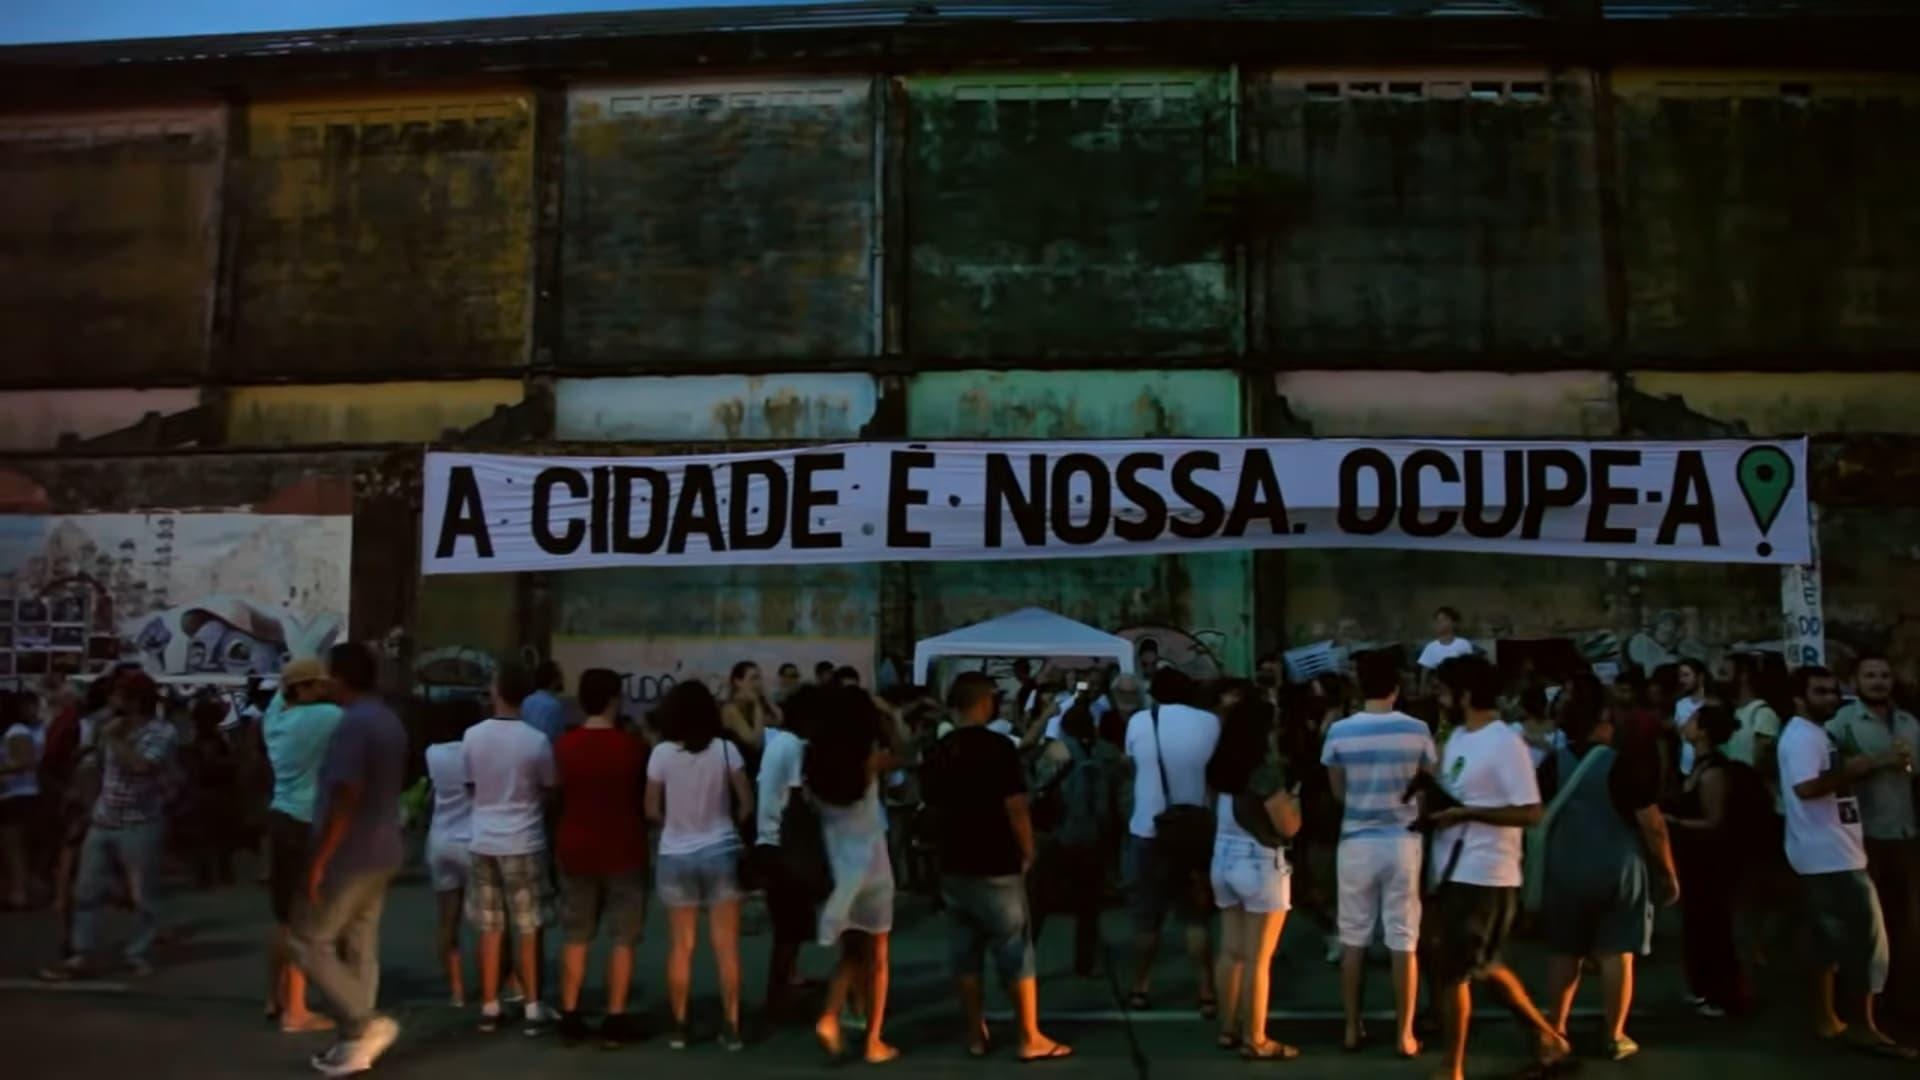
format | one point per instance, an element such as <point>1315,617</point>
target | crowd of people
<point>1434,813</point>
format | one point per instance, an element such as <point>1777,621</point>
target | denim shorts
<point>700,878</point>
<point>988,915</point>
<point>1248,876</point>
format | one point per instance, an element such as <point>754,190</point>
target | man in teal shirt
<point>296,729</point>
<point>1875,725</point>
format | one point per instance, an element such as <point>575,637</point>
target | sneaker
<point>489,1018</point>
<point>329,1057</point>
<point>1711,1011</point>
<point>73,967</point>
<point>730,1039</point>
<point>573,1029</point>
<point>361,1054</point>
<point>139,969</point>
<point>540,1018</point>
<point>618,1030</point>
<point>680,1037</point>
<point>1622,1048</point>
<point>1695,1000</point>
<point>1334,950</point>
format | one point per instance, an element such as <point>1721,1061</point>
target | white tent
<point>1029,632</point>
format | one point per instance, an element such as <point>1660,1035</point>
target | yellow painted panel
<point>387,233</point>
<point>1789,404</point>
<point>1457,403</point>
<point>1761,82</point>
<point>362,412</point>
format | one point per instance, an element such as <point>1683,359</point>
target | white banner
<point>1719,501</point>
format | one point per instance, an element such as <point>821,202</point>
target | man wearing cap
<point>298,724</point>
<point>128,825</point>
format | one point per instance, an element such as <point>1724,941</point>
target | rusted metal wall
<point>108,225</point>
<point>362,412</point>
<point>1065,215</point>
<point>1459,403</point>
<point>1196,609</point>
<point>719,221</point>
<point>1788,403</point>
<point>715,408</point>
<point>1769,212</point>
<point>387,236</point>
<point>1416,210</point>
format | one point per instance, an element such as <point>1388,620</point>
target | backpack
<point>803,848</point>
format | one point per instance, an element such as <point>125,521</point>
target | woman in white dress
<point>850,751</point>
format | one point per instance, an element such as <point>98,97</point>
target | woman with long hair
<point>1713,830</point>
<point>697,789</point>
<point>1255,814</point>
<point>850,750</point>
<point>747,713</point>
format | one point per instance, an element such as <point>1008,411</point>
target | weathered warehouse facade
<point>260,273</point>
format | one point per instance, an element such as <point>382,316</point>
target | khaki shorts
<point>507,890</point>
<point>587,900</point>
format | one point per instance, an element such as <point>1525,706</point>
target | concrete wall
<point>1769,212</point>
<point>39,419</point>
<point>108,227</point>
<point>720,221</point>
<point>1417,210</point>
<point>1064,215</point>
<point>384,236</point>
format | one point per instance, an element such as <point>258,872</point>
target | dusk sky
<point>31,21</point>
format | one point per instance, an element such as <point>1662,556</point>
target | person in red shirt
<point>601,843</point>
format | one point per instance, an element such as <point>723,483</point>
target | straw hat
<point>304,670</point>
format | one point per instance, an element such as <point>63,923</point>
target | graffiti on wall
<point>189,597</point>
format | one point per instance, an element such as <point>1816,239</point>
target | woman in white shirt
<point>1250,874</point>
<point>697,790</point>
<point>450,832</point>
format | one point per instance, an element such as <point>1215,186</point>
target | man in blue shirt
<point>356,850</point>
<point>1370,757</point>
<point>544,710</point>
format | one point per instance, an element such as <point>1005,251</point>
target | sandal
<point>1057,1052</point>
<point>1271,1050</point>
<point>1228,1041</point>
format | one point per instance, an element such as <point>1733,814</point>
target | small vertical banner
<point>1804,634</point>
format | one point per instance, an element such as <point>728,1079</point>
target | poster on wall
<point>1725,501</point>
<point>190,597</point>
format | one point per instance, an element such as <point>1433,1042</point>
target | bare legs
<point>723,934</point>
<point>1616,974</point>
<point>447,940</point>
<point>1455,1006</point>
<point>683,925</point>
<point>863,958</point>
<point>1229,965</point>
<point>1244,973</point>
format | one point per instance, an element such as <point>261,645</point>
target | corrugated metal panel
<point>37,419</point>
<point>697,408</point>
<point>1066,215</point>
<point>386,235</point>
<point>714,220</point>
<point>108,225</point>
<point>362,412</point>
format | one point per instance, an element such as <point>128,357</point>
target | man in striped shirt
<point>1371,757</point>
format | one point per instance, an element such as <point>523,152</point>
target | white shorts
<point>1379,885</point>
<point>447,863</point>
<point>1246,875</point>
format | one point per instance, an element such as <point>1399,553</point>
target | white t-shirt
<point>781,756</point>
<point>699,811</point>
<point>452,803</point>
<point>1683,711</point>
<point>1823,834</point>
<point>1187,737</point>
<point>1437,652</point>
<point>1556,741</point>
<point>510,766</point>
<point>1485,768</point>
<point>1757,719</point>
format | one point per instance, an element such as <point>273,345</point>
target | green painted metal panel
<point>1065,215</point>
<point>1073,405</point>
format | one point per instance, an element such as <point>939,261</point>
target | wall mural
<point>189,597</point>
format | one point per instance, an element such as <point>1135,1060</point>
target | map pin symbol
<point>1766,476</point>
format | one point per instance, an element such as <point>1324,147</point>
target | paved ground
<point>199,1015</point>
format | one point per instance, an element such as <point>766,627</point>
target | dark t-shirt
<point>368,748</point>
<point>972,774</point>
<point>603,775</point>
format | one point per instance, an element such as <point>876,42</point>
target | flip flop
<point>1884,1048</point>
<point>313,1023</point>
<point>1059,1052</point>
<point>1228,1041</point>
<point>1271,1050</point>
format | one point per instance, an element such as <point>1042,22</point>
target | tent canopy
<point>1029,632</point>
